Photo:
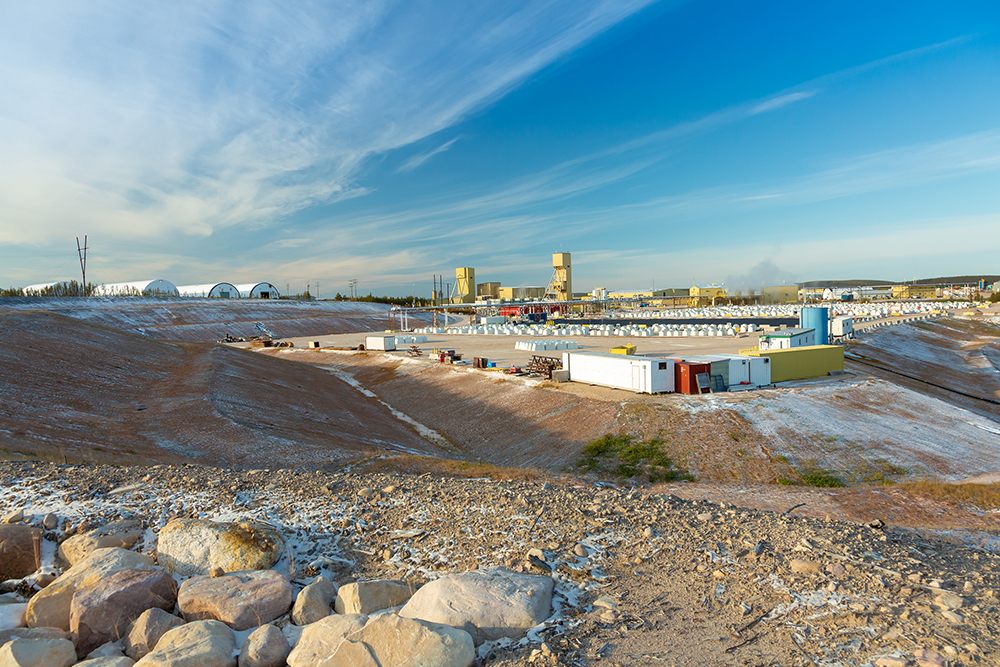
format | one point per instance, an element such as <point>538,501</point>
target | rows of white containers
<point>574,330</point>
<point>542,345</point>
<point>859,311</point>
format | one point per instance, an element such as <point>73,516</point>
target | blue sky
<point>662,143</point>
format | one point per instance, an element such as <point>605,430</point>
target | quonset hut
<point>138,288</point>
<point>258,291</point>
<point>211,290</point>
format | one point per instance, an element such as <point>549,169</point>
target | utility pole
<point>353,284</point>
<point>82,254</point>
<point>317,290</point>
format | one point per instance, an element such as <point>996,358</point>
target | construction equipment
<point>544,365</point>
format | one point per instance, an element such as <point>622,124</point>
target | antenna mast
<point>82,254</point>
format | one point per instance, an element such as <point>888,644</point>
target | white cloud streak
<point>417,160</point>
<point>148,121</point>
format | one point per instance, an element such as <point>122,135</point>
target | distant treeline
<point>393,300</point>
<point>71,288</point>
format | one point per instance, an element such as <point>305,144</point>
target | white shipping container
<point>380,342</point>
<point>760,371</point>
<point>646,375</point>
<point>842,326</point>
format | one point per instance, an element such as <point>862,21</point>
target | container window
<point>663,365</point>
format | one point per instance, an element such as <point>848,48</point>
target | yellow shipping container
<point>623,349</point>
<point>798,363</point>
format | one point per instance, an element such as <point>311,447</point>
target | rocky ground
<point>641,578</point>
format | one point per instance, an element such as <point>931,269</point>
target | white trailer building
<point>211,290</point>
<point>380,343</point>
<point>786,338</point>
<point>646,375</point>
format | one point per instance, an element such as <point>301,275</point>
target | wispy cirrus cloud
<point>143,121</point>
<point>417,160</point>
<point>780,101</point>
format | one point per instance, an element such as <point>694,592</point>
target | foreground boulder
<point>365,597</point>
<point>241,600</point>
<point>50,606</point>
<point>32,633</point>
<point>321,639</point>
<point>195,546</point>
<point>488,604</point>
<point>20,550</point>
<point>122,534</point>
<point>105,611</point>
<point>147,630</point>
<point>38,653</point>
<point>313,602</point>
<point>107,662</point>
<point>389,639</point>
<point>12,615</point>
<point>265,647</point>
<point>197,644</point>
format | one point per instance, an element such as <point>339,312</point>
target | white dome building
<point>211,290</point>
<point>138,288</point>
<point>258,291</point>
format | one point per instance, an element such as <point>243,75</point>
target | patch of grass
<point>983,496</point>
<point>815,476</point>
<point>786,482</point>
<point>878,471</point>
<point>735,436</point>
<point>781,458</point>
<point>624,456</point>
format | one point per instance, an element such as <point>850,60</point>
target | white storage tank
<point>646,375</point>
<point>380,342</point>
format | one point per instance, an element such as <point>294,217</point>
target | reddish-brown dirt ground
<point>76,391</point>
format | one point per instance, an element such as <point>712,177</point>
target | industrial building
<point>787,338</point>
<point>800,363</point>
<point>914,291</point>
<point>138,288</point>
<point>464,290</point>
<point>561,284</point>
<point>258,291</point>
<point>488,290</point>
<point>210,290</point>
<point>779,294</point>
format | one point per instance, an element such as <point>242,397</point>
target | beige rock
<point>196,546</point>
<point>488,604</point>
<point>394,640</point>
<point>800,566</point>
<point>147,630</point>
<point>197,644</point>
<point>107,650</point>
<point>121,661</point>
<point>241,600</point>
<point>265,647</point>
<point>891,661</point>
<point>14,517</point>
<point>354,654</point>
<point>38,653</point>
<point>365,597</point>
<point>929,658</point>
<point>313,602</point>
<point>32,633</point>
<point>20,550</point>
<point>949,600</point>
<point>122,534</point>
<point>321,639</point>
<point>50,521</point>
<point>105,611</point>
<point>50,606</point>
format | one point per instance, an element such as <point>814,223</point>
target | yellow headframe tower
<point>465,285</point>
<point>561,285</point>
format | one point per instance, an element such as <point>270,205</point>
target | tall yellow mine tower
<point>561,285</point>
<point>465,285</point>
